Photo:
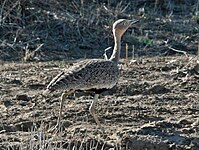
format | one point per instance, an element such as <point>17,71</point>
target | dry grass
<point>40,138</point>
<point>58,25</point>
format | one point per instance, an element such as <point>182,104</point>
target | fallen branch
<point>179,51</point>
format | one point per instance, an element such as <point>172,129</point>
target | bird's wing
<point>87,74</point>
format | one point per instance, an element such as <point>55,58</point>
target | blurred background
<point>44,30</point>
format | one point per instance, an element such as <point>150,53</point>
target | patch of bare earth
<point>154,106</point>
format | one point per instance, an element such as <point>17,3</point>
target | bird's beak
<point>133,22</point>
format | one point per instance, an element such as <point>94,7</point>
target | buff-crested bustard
<point>93,74</point>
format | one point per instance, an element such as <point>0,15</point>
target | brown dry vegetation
<point>156,102</point>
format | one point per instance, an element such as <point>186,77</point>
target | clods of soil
<point>154,106</point>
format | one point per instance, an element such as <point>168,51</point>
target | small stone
<point>23,97</point>
<point>158,89</point>
<point>7,102</point>
<point>15,81</point>
<point>25,125</point>
<point>36,86</point>
<point>66,124</point>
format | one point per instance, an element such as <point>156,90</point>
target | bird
<point>96,75</point>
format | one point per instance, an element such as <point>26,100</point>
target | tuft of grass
<point>146,41</point>
<point>196,14</point>
<point>196,17</point>
<point>40,138</point>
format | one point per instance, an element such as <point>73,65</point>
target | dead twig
<point>38,48</point>
<point>133,60</point>
<point>105,55</point>
<point>133,53</point>
<point>179,51</point>
<point>127,61</point>
<point>29,55</point>
<point>190,60</point>
<point>198,50</point>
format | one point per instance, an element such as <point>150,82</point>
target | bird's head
<point>121,25</point>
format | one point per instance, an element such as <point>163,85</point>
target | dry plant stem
<point>127,61</point>
<point>78,31</point>
<point>193,58</point>
<point>31,54</point>
<point>8,13</point>
<point>156,3</point>
<point>105,55</point>
<point>133,52</point>
<point>39,47</point>
<point>190,60</point>
<point>179,51</point>
<point>198,50</point>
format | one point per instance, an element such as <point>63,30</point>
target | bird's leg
<point>92,109</point>
<point>63,98</point>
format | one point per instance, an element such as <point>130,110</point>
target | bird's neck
<point>116,51</point>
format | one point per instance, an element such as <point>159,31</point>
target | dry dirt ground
<point>155,106</point>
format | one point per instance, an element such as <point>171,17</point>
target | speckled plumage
<point>86,75</point>
<point>93,74</point>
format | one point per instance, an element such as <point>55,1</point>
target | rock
<point>24,125</point>
<point>7,102</point>
<point>158,89</point>
<point>66,124</point>
<point>36,86</point>
<point>15,81</point>
<point>23,97</point>
<point>7,128</point>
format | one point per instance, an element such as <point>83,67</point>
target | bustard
<point>94,74</point>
